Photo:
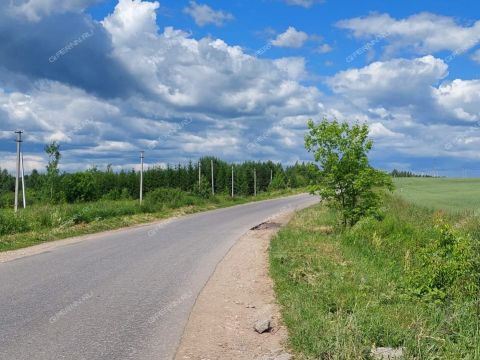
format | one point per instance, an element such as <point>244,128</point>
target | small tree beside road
<point>53,152</point>
<point>349,182</point>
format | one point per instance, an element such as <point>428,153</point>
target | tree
<point>80,186</point>
<point>53,152</point>
<point>349,183</point>
<point>278,182</point>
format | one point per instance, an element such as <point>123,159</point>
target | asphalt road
<point>121,295</point>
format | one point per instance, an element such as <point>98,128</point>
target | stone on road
<point>120,295</point>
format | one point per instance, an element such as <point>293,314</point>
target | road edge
<point>212,320</point>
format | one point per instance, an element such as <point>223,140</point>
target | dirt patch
<point>267,225</point>
<point>238,297</point>
<point>323,229</point>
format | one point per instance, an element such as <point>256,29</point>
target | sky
<point>239,80</point>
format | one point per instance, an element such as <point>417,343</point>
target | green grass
<point>343,292</point>
<point>42,223</point>
<point>441,193</point>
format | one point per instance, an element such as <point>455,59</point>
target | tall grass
<point>344,292</point>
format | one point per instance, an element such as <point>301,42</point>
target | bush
<point>203,190</point>
<point>80,187</point>
<point>167,198</point>
<point>447,267</point>
<point>278,182</point>
<point>117,194</point>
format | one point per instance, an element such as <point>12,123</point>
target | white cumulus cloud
<point>397,82</point>
<point>35,9</point>
<point>291,38</point>
<point>203,14</point>
<point>324,49</point>
<point>423,33</point>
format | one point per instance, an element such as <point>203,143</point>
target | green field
<point>441,193</point>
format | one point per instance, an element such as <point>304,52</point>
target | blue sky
<point>239,79</point>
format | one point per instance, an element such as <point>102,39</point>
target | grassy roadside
<point>39,224</point>
<point>381,283</point>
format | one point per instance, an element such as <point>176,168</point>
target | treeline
<point>397,173</point>
<point>95,184</point>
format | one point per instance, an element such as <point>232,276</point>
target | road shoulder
<point>238,295</point>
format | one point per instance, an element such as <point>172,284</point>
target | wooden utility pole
<point>232,182</point>
<point>142,156</point>
<point>213,184</point>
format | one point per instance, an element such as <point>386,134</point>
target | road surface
<point>120,295</point>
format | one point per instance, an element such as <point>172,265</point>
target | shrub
<point>279,182</point>
<point>167,198</point>
<point>203,190</point>
<point>80,187</point>
<point>446,267</point>
<point>117,194</point>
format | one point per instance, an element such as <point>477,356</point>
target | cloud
<point>82,61</point>
<point>34,10</point>
<point>304,3</point>
<point>414,114</point>
<point>397,82</point>
<point>291,38</point>
<point>423,33</point>
<point>378,130</point>
<point>203,14</point>
<point>9,162</point>
<point>133,86</point>
<point>410,109</point>
<point>231,98</point>
<point>460,99</point>
<point>132,22</point>
<point>324,49</point>
<point>205,75</point>
<point>476,56</point>
<point>54,108</point>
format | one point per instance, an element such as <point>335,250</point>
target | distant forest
<point>95,184</point>
<point>397,173</point>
